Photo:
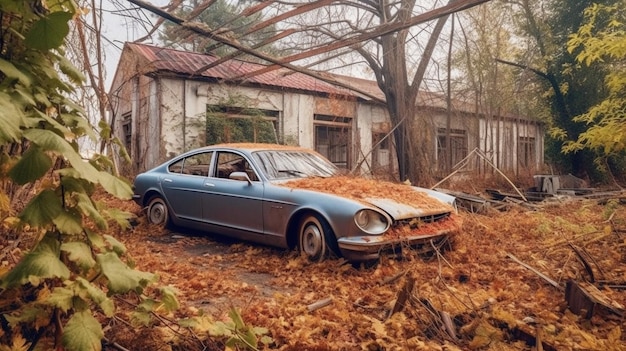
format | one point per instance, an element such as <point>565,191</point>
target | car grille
<point>416,222</point>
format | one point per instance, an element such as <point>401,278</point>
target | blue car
<point>292,197</point>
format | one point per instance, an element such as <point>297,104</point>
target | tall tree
<point>600,42</point>
<point>399,61</point>
<point>570,89</point>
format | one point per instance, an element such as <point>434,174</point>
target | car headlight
<point>371,222</point>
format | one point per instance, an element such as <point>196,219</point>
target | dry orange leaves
<point>362,189</point>
<point>489,297</point>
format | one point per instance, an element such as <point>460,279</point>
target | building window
<point>225,124</point>
<point>381,154</point>
<point>446,159</point>
<point>333,137</point>
<point>526,152</point>
<point>127,130</point>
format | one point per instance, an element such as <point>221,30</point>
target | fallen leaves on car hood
<point>399,200</point>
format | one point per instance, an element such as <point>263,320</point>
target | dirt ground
<point>478,295</point>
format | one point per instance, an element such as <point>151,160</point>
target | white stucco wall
<point>177,110</point>
<point>171,115</point>
<point>153,133</point>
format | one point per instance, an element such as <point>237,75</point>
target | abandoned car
<point>292,197</point>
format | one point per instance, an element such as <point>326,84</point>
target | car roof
<point>259,147</point>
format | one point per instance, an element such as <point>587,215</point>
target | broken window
<point>333,137</point>
<point>446,159</point>
<point>127,130</point>
<point>225,124</point>
<point>526,152</point>
<point>381,153</point>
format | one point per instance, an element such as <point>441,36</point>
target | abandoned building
<point>164,102</point>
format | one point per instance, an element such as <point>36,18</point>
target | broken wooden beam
<point>319,304</point>
<point>532,269</point>
<point>585,299</point>
<point>403,295</point>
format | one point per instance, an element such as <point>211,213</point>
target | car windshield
<point>284,164</point>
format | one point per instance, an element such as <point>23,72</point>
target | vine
<point>62,289</point>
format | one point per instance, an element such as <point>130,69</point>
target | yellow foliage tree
<point>602,39</point>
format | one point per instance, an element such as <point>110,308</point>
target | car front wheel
<point>314,233</point>
<point>158,213</point>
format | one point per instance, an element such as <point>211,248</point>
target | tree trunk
<point>414,135</point>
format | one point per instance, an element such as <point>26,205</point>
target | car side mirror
<point>240,176</point>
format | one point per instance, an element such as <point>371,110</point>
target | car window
<point>229,162</point>
<point>285,164</point>
<point>197,164</point>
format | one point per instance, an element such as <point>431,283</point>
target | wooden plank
<point>543,276</point>
<point>585,299</point>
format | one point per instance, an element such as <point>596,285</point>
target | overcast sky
<point>119,26</point>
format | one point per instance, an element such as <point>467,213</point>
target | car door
<point>183,186</point>
<point>234,205</point>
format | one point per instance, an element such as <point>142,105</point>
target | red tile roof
<point>188,63</point>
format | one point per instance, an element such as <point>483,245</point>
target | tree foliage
<point>601,40</point>
<point>71,273</point>
<point>567,88</point>
<point>223,16</point>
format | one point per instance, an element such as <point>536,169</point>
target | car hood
<point>400,201</point>
<point>399,211</point>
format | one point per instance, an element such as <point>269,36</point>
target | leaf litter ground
<point>494,303</point>
<point>489,295</point>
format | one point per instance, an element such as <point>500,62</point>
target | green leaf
<point>84,203</point>
<point>98,296</point>
<point>66,66</point>
<point>61,297</point>
<point>122,278</point>
<point>141,318</point>
<point>80,253</point>
<point>82,332</point>
<point>32,166</point>
<point>96,240</point>
<point>220,328</point>
<point>168,298</point>
<point>11,119</point>
<point>116,245</point>
<point>12,72</point>
<point>115,186</point>
<point>50,141</point>
<point>55,125</point>
<point>42,209</point>
<point>69,222</point>
<point>120,217</point>
<point>236,318</point>
<point>73,183</point>
<point>49,32</point>
<point>29,314</point>
<point>41,263</point>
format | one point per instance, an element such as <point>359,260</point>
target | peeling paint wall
<point>169,117</point>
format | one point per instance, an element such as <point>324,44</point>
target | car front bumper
<point>368,248</point>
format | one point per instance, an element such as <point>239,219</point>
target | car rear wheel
<point>158,213</point>
<point>314,234</point>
